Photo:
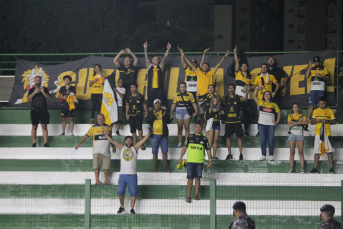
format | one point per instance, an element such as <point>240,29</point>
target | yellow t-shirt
<point>100,142</point>
<point>204,80</point>
<point>327,114</point>
<point>158,124</point>
<point>267,85</point>
<point>155,78</point>
<point>97,87</point>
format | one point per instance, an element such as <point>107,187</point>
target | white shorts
<point>209,124</point>
<point>316,145</point>
<point>201,109</point>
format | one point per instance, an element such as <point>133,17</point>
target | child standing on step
<point>120,92</point>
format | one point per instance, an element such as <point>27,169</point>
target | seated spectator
<point>266,122</point>
<point>120,92</point>
<point>155,77</point>
<point>296,122</point>
<point>158,120</point>
<point>183,102</point>
<point>68,100</point>
<point>96,82</point>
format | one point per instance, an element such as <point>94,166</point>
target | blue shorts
<point>181,114</point>
<point>314,97</point>
<point>127,180</point>
<point>215,127</point>
<point>159,140</point>
<point>293,137</point>
<point>194,170</point>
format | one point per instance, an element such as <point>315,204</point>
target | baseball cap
<point>239,205</point>
<point>327,208</point>
<point>157,101</point>
<point>316,59</point>
<point>194,60</point>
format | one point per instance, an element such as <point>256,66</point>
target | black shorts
<point>41,116</point>
<point>65,112</point>
<point>231,128</point>
<point>155,93</point>
<point>136,123</point>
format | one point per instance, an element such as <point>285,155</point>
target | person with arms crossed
<point>322,116</point>
<point>231,105</point>
<point>319,75</point>
<point>296,122</point>
<point>96,82</point>
<point>128,169</point>
<point>134,112</point>
<point>196,144</point>
<point>38,96</point>
<point>182,100</point>
<point>155,77</point>
<point>101,148</point>
<point>266,122</point>
<point>68,100</point>
<point>128,70</point>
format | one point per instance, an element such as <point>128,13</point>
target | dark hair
<point>231,84</point>
<point>98,66</point>
<point>271,98</point>
<point>134,84</point>
<point>211,85</point>
<point>128,137</point>
<point>322,98</point>
<point>207,65</point>
<point>120,79</point>
<point>264,64</point>
<point>330,213</point>
<point>38,76</point>
<point>274,60</point>
<point>183,83</point>
<point>299,108</point>
<point>67,77</point>
<point>199,123</point>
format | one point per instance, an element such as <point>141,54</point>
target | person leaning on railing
<point>266,122</point>
<point>96,82</point>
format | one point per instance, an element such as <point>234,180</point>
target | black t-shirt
<point>279,74</point>
<point>135,104</point>
<point>63,92</point>
<point>38,100</point>
<point>128,75</point>
<point>231,109</point>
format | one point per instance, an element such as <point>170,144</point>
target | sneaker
<point>179,145</point>
<point>46,145</point>
<point>332,171</point>
<point>290,171</point>
<point>262,158</point>
<point>229,157</point>
<point>241,157</point>
<point>34,145</point>
<point>132,212</point>
<point>271,158</point>
<point>72,134</point>
<point>62,134</point>
<point>246,133</point>
<point>302,171</point>
<point>215,158</point>
<point>118,134</point>
<point>258,134</point>
<point>91,121</point>
<point>121,210</point>
<point>314,170</point>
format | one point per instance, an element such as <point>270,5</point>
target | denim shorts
<point>293,137</point>
<point>194,170</point>
<point>127,180</point>
<point>215,128</point>
<point>182,114</point>
<point>314,97</point>
<point>159,140</point>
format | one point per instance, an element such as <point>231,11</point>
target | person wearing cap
<point>158,120</point>
<point>242,220</point>
<point>196,144</point>
<point>101,148</point>
<point>68,97</point>
<point>319,75</point>
<point>280,75</point>
<point>205,77</point>
<point>327,212</point>
<point>155,77</point>
<point>339,107</point>
<point>128,168</point>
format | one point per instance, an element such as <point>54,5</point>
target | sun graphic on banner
<point>29,81</point>
<point>108,99</point>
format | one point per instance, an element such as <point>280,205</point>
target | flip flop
<point>188,200</point>
<point>196,198</point>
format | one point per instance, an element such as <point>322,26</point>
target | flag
<point>109,107</point>
<point>324,141</point>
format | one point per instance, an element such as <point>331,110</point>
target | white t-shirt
<point>128,160</point>
<point>122,90</point>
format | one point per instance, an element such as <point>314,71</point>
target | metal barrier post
<point>213,204</point>
<point>88,204</point>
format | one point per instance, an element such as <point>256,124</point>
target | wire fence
<point>162,204</point>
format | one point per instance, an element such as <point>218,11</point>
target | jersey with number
<point>100,142</point>
<point>128,160</point>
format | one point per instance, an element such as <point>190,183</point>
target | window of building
<point>302,13</point>
<point>243,24</point>
<point>290,26</point>
<point>290,10</point>
<point>301,29</point>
